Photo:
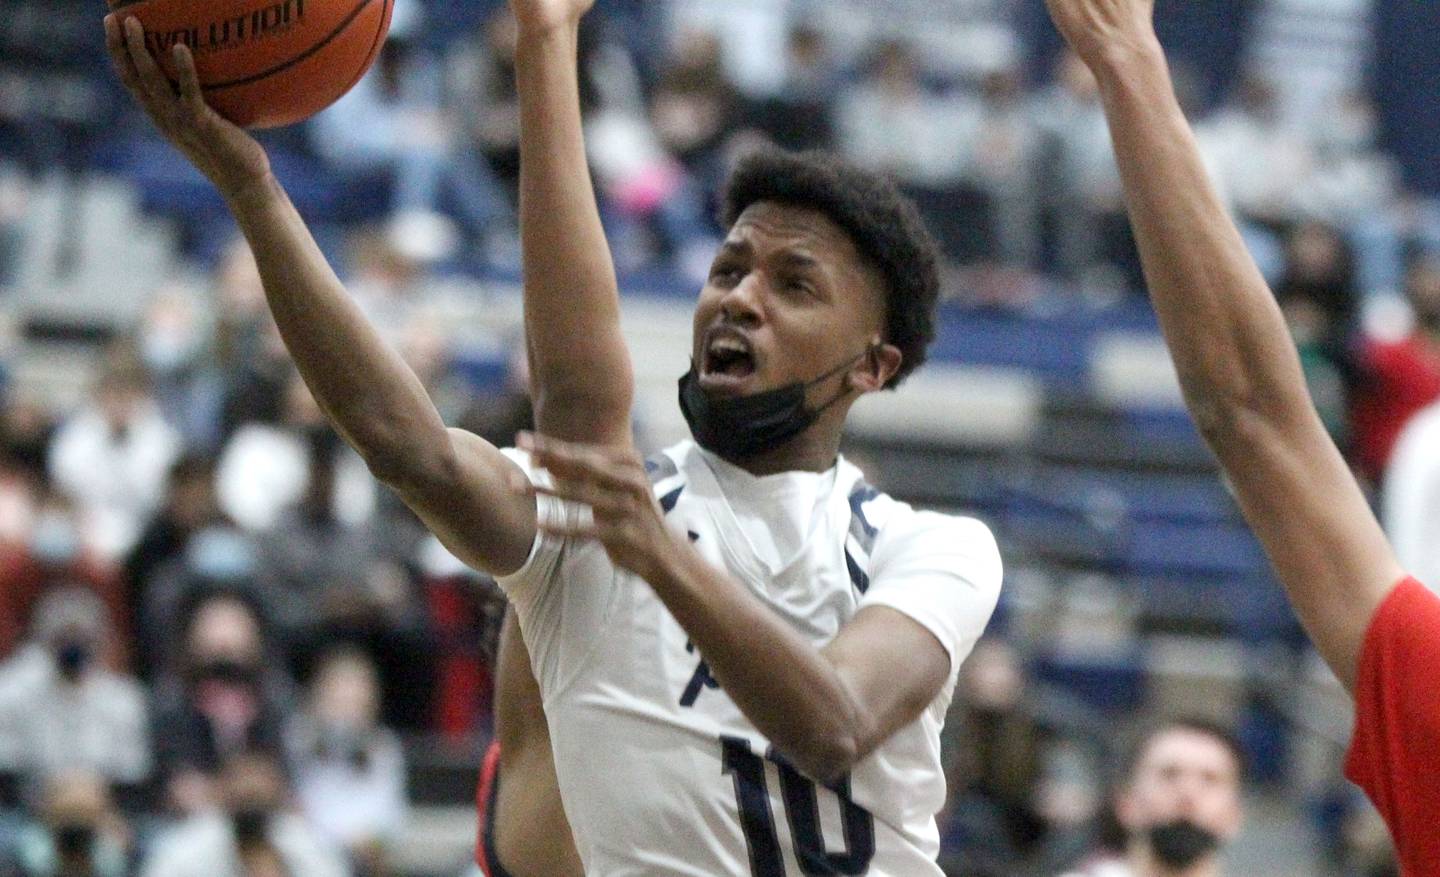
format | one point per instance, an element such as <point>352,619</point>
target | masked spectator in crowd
<point>111,457</point>
<point>1178,803</point>
<point>225,697</point>
<point>349,770</point>
<point>1398,376</point>
<point>62,708</point>
<point>52,550</point>
<point>255,833</point>
<point>265,468</point>
<point>78,832</point>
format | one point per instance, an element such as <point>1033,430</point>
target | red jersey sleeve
<point>1395,753</point>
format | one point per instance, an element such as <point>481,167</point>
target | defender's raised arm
<point>1237,364</point>
<point>454,480</point>
<point>582,381</point>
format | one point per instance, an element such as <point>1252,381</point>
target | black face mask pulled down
<point>1180,843</point>
<point>736,428</point>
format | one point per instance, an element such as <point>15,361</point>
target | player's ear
<point>875,369</point>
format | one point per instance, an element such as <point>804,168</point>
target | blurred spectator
<point>265,467</point>
<point>1400,376</point>
<point>1023,770</point>
<point>694,106</point>
<point>173,346</point>
<point>112,456</point>
<point>190,508</point>
<point>1179,803</point>
<point>889,121</point>
<point>484,87</point>
<point>1317,295</point>
<point>59,705</point>
<point>801,115</point>
<point>1083,203</point>
<point>51,551</point>
<point>1001,155</point>
<point>1353,182</point>
<point>349,770</point>
<point>78,832</point>
<point>1262,165</point>
<point>1412,497</point>
<point>256,834</point>
<point>227,696</point>
<point>389,130</point>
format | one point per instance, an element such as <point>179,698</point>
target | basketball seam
<point>374,46</point>
<point>291,62</point>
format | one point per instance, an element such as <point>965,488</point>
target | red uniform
<point>485,854</point>
<point>1395,756</point>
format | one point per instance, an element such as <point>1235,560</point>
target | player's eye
<point>726,274</point>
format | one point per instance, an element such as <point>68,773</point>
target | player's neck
<point>814,450</point>
<point>1143,864</point>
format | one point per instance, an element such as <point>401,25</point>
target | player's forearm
<point>371,396</point>
<point>1229,341</point>
<point>784,685</point>
<point>580,368</point>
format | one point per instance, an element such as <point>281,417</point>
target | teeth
<point>727,345</point>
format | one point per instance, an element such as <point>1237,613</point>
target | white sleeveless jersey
<point>659,771</point>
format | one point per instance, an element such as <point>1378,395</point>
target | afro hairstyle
<point>884,225</point>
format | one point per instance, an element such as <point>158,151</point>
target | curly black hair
<point>884,224</point>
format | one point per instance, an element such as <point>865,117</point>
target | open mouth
<point>728,358</point>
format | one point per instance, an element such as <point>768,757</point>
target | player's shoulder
<point>877,517</point>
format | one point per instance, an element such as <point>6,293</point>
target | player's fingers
<point>189,79</point>
<point>152,79</point>
<point>119,57</point>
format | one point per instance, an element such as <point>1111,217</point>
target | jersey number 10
<point>802,809</point>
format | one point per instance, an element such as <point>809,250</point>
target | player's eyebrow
<point>736,247</point>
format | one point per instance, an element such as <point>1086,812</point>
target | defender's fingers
<point>190,91</point>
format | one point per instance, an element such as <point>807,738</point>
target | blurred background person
<point>254,833</point>
<point>78,832</point>
<point>1178,803</point>
<point>223,695</point>
<point>63,707</point>
<point>349,769</point>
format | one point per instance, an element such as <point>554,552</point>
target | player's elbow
<point>829,759</point>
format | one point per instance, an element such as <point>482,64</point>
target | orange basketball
<point>265,63</point>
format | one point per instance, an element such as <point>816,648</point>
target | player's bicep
<point>474,512</point>
<point>1327,548</point>
<point>892,665</point>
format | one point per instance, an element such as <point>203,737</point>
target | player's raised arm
<point>454,480</point>
<point>580,369</point>
<point>1237,364</point>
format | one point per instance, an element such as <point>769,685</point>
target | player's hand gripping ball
<point>266,63</point>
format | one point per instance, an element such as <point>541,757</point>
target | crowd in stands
<point>215,629</point>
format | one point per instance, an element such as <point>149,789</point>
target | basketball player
<point>744,652</point>
<point>1378,629</point>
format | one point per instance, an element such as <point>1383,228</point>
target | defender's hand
<point>1105,29</point>
<point>544,16</point>
<point>613,483</point>
<point>226,155</point>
